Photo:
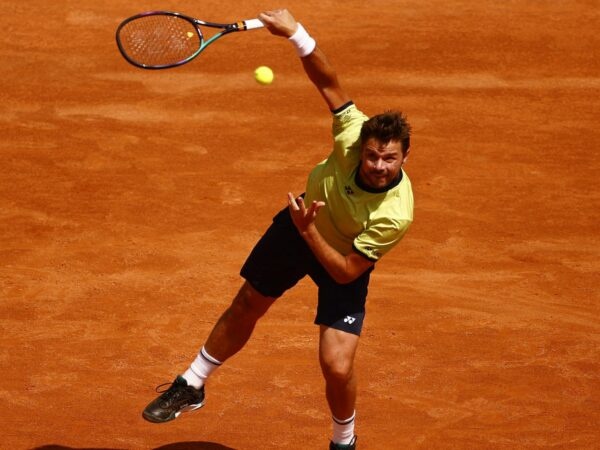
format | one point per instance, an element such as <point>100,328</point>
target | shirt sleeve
<point>380,237</point>
<point>347,123</point>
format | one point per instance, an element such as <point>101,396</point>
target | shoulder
<point>348,114</point>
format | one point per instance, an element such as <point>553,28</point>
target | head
<point>385,144</point>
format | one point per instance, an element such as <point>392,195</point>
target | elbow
<point>354,268</point>
<point>344,277</point>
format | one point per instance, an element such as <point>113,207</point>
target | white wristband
<point>302,41</point>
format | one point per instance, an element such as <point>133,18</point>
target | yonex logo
<point>349,190</point>
<point>349,320</point>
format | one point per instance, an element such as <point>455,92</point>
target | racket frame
<point>226,28</point>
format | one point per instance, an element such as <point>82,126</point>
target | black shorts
<point>281,258</point>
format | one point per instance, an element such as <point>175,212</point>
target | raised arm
<point>281,23</point>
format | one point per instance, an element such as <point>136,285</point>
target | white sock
<point>200,369</point>
<point>343,430</point>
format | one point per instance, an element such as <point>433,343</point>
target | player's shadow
<point>194,446</point>
<point>62,447</point>
<point>174,446</point>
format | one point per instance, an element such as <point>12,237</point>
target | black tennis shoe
<point>178,398</point>
<point>350,446</point>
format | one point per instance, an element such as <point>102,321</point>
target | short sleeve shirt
<point>354,219</point>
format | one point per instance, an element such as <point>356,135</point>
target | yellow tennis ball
<point>263,75</point>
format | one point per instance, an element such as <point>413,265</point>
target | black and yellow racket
<point>164,39</point>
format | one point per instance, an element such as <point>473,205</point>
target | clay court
<point>129,199</point>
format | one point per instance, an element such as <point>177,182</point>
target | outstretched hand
<point>302,217</point>
<point>279,22</point>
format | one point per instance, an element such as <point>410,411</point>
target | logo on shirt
<point>349,320</point>
<point>349,190</point>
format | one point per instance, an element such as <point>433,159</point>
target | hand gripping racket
<point>163,39</point>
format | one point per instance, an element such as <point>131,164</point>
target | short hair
<point>389,126</point>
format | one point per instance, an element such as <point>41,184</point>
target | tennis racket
<point>163,39</point>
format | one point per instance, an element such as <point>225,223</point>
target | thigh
<point>342,306</point>
<point>337,349</point>
<point>279,259</point>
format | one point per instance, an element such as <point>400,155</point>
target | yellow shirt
<point>371,223</point>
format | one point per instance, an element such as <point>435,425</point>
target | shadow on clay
<point>174,446</point>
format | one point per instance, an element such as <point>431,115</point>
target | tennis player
<point>357,206</point>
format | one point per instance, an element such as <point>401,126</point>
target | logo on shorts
<point>349,320</point>
<point>349,190</point>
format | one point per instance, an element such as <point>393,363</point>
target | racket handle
<point>252,24</point>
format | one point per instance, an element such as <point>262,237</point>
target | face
<point>380,163</point>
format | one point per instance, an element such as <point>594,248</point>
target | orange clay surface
<point>129,200</point>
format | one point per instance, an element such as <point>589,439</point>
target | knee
<point>249,304</point>
<point>337,370</point>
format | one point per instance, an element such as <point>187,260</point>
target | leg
<point>275,264</point>
<point>234,328</point>
<point>336,354</point>
<point>340,315</point>
<point>228,336</point>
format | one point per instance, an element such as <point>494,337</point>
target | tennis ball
<point>263,75</point>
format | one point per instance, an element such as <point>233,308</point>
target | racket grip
<point>252,24</point>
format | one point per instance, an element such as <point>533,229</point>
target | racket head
<point>159,39</point>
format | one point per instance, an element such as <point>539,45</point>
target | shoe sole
<point>173,416</point>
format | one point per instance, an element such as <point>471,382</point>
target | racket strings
<point>159,40</point>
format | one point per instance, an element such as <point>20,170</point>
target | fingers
<point>297,204</point>
<point>292,202</point>
<point>266,17</point>
<point>315,206</point>
<point>275,14</point>
<point>279,22</point>
<point>301,205</point>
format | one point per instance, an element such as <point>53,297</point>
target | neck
<point>365,187</point>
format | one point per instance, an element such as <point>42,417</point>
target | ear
<point>405,156</point>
